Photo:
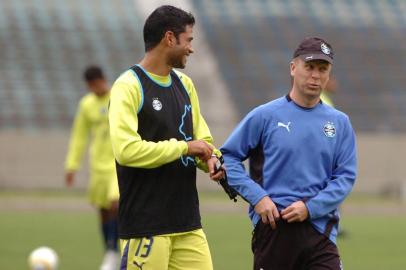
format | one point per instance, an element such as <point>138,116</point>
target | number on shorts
<point>147,246</point>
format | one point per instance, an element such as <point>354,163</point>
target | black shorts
<point>293,246</point>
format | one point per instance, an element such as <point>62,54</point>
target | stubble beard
<point>176,61</point>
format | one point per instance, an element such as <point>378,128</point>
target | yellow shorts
<point>103,189</point>
<point>178,251</point>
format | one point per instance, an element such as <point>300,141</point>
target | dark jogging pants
<point>293,246</point>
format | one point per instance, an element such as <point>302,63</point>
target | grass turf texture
<point>373,242</point>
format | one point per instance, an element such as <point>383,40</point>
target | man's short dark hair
<point>93,73</point>
<point>163,19</point>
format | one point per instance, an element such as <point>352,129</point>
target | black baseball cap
<point>314,48</point>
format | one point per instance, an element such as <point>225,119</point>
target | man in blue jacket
<point>303,164</point>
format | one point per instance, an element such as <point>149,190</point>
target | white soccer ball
<point>43,258</point>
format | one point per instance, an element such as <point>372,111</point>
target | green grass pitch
<point>372,242</point>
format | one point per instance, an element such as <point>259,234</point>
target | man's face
<point>98,86</point>
<point>181,49</point>
<point>311,77</point>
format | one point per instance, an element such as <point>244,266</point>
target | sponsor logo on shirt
<point>280,124</point>
<point>329,130</point>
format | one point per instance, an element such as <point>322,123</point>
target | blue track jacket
<point>299,154</point>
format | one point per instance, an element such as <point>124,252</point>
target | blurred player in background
<point>91,122</point>
<point>328,91</point>
<point>306,166</point>
<point>159,137</point>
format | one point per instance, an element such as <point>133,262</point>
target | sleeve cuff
<point>71,167</point>
<point>217,152</point>
<point>184,147</point>
<point>309,210</point>
<point>260,194</point>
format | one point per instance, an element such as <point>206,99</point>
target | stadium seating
<point>254,40</point>
<point>45,46</point>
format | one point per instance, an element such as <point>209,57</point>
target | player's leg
<point>324,253</point>
<point>112,202</point>
<point>108,218</point>
<point>147,253</point>
<point>328,259</point>
<point>109,228</point>
<point>190,251</point>
<point>279,248</point>
<point>101,193</point>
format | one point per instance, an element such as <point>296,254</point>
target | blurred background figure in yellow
<point>331,89</point>
<point>91,123</point>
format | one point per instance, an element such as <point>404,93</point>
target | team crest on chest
<point>156,104</point>
<point>329,130</point>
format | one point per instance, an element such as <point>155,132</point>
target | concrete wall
<point>381,164</point>
<point>35,161</point>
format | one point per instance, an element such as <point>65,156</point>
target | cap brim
<point>316,56</point>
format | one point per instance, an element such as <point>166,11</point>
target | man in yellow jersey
<point>91,121</point>
<point>159,137</point>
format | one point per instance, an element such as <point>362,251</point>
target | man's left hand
<point>211,164</point>
<point>296,212</point>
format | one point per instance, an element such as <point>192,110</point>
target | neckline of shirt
<point>164,81</point>
<point>290,100</point>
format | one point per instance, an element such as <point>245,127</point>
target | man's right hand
<point>69,178</point>
<point>268,211</point>
<point>199,148</point>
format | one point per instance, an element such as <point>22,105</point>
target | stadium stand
<point>45,46</point>
<point>253,42</point>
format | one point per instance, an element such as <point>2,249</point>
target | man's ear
<point>292,68</point>
<point>169,38</point>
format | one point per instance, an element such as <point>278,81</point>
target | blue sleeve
<point>236,149</point>
<point>343,177</point>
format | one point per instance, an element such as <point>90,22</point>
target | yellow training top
<point>129,148</point>
<point>91,121</point>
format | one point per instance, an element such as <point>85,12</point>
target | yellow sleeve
<point>128,146</point>
<point>200,129</point>
<point>78,139</point>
